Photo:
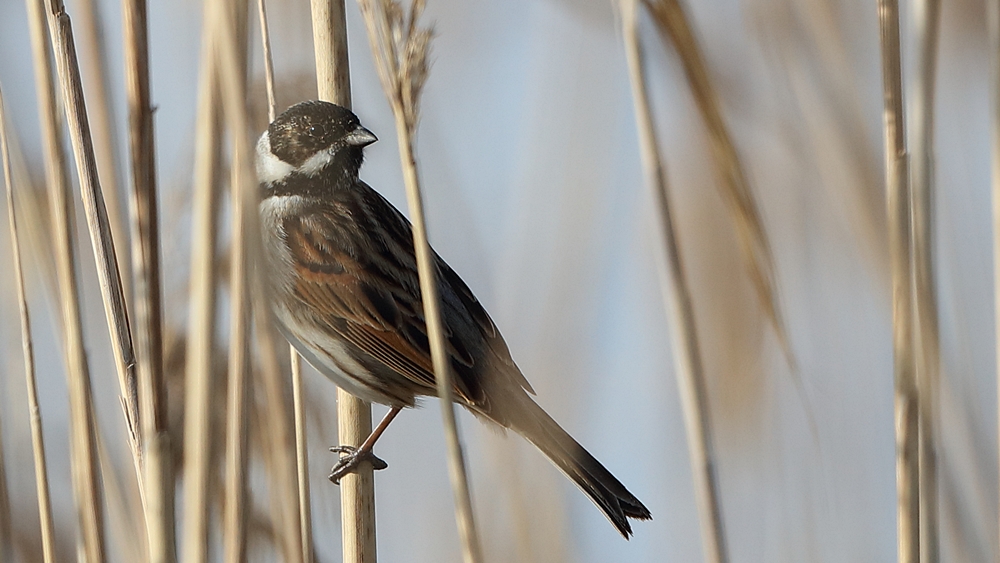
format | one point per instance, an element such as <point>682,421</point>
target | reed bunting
<point>345,293</point>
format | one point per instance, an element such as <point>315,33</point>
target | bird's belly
<point>331,357</point>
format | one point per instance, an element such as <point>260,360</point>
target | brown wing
<point>357,276</point>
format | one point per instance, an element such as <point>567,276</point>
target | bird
<point>344,290</point>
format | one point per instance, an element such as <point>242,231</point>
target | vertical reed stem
<point>471,549</point>
<point>900,245</point>
<point>298,405</point>
<point>754,242</point>
<point>157,459</point>
<point>6,531</point>
<point>301,456</point>
<point>199,376</point>
<point>237,455</point>
<point>37,439</point>
<point>231,48</point>
<point>400,47</point>
<point>680,309</point>
<point>993,24</point>
<point>237,410</point>
<point>927,15</point>
<point>354,416</point>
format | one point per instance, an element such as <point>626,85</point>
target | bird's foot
<point>350,459</point>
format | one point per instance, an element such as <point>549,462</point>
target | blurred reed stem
<point>97,83</point>
<point>993,30</point>
<point>401,48</point>
<point>34,412</point>
<point>199,375</point>
<point>6,531</point>
<point>354,416</point>
<point>237,504</point>
<point>900,245</point>
<point>680,309</point>
<point>158,476</point>
<point>232,52</point>
<point>927,16</point>
<point>127,531</point>
<point>298,405</point>
<point>238,406</point>
<point>673,24</point>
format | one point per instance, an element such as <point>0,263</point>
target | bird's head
<point>309,139</point>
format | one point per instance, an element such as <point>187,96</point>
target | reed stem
<point>158,477</point>
<point>401,47</point>
<point>97,222</point>
<point>899,210</point>
<point>993,30</point>
<point>688,367</point>
<point>35,413</point>
<point>927,14</point>
<point>231,49</point>
<point>240,365</point>
<point>85,467</point>
<point>354,416</point>
<point>200,375</point>
<point>102,116</point>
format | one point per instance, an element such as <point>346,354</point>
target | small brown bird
<point>345,292</point>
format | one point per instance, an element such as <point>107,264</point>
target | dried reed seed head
<point>401,48</point>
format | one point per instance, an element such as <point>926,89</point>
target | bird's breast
<point>278,260</point>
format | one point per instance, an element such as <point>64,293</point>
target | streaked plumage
<point>346,295</point>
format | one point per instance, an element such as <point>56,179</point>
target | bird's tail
<point>607,492</point>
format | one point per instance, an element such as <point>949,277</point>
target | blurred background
<point>534,194</point>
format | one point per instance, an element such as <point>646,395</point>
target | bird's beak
<point>360,137</point>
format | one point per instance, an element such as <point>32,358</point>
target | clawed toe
<point>350,459</point>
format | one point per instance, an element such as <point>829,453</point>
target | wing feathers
<point>369,297</point>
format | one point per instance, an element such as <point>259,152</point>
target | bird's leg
<point>353,457</point>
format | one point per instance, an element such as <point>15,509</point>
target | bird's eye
<point>313,130</point>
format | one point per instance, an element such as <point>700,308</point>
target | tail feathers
<point>607,492</point>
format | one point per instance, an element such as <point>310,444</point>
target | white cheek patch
<point>316,163</point>
<point>270,169</point>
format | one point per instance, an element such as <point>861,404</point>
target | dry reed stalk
<point>354,416</point>
<point>238,405</point>
<point>401,47</point>
<point>102,117</point>
<point>83,455</point>
<point>899,222</point>
<point>280,435</point>
<point>36,227</point>
<point>680,309</point>
<point>298,405</point>
<point>97,220</point>
<point>158,476</point>
<point>199,376</point>
<point>672,22</point>
<point>6,530</point>
<point>237,410</point>
<point>265,41</point>
<point>37,439</point>
<point>301,457</point>
<point>927,15</point>
<point>126,531</point>
<point>231,50</point>
<point>993,29</point>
